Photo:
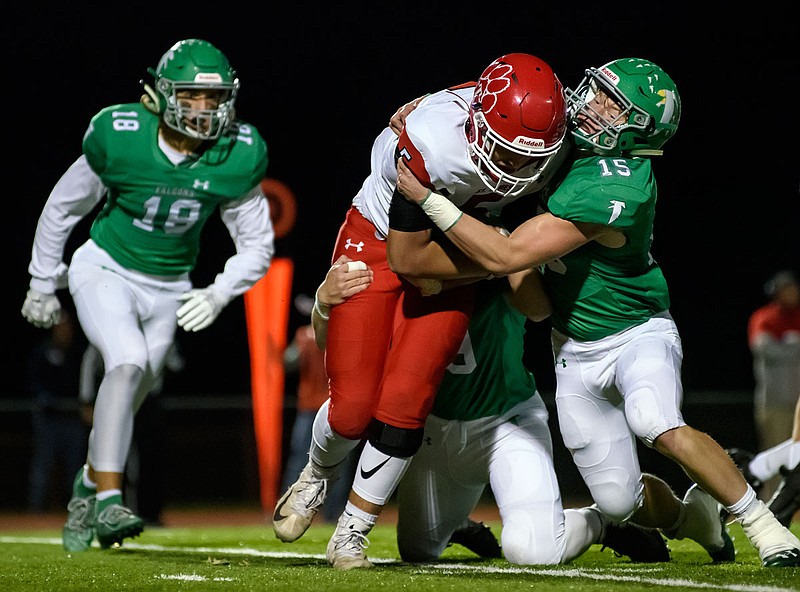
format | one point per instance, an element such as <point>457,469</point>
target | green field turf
<point>247,558</point>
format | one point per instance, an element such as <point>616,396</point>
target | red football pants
<point>388,346</point>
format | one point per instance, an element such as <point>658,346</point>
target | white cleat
<point>298,506</point>
<point>348,543</point>
<point>776,545</point>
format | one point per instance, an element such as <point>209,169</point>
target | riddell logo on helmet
<point>529,142</point>
<point>208,77</point>
<point>610,75</point>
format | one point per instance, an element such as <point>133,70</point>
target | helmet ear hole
<point>150,100</point>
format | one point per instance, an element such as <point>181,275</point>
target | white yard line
<point>609,574</point>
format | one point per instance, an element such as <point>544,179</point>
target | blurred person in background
<point>773,334</point>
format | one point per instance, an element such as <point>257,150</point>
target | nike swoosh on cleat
<point>278,515</point>
<point>372,471</point>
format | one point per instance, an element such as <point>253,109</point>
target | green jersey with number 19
<point>598,290</point>
<point>487,378</point>
<point>152,220</point>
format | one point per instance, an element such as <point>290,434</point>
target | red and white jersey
<point>434,143</point>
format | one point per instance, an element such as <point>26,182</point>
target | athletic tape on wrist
<point>317,308</point>
<point>442,212</point>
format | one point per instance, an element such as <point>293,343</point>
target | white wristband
<point>443,212</point>
<point>317,308</point>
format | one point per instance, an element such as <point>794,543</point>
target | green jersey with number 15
<point>597,290</point>
<point>155,210</point>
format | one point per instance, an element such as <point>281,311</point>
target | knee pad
<point>616,500</point>
<point>392,441</point>
<point>526,540</point>
<point>647,416</point>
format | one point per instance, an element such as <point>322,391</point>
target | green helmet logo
<point>188,68</point>
<point>647,108</point>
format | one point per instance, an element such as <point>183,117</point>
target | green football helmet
<point>648,97</point>
<point>193,65</point>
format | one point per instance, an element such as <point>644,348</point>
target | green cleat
<point>789,558</point>
<point>727,553</point>
<point>114,523</point>
<point>78,531</point>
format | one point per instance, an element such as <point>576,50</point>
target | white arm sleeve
<point>250,227</point>
<point>77,192</point>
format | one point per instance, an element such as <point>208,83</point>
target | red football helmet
<point>519,108</point>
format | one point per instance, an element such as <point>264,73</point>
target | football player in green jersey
<point>163,165</point>
<point>617,350</point>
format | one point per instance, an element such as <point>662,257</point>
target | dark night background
<point>321,84</point>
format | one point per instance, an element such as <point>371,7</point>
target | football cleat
<point>641,545</point>
<point>346,549</point>
<point>478,538</point>
<point>776,545</point>
<point>786,500</point>
<point>114,523</point>
<point>741,458</point>
<point>789,558</point>
<point>78,531</point>
<point>298,506</point>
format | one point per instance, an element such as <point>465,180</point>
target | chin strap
<point>150,99</point>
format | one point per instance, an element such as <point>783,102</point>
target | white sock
<point>745,505</point>
<point>103,495</point>
<point>351,509</point>
<point>88,483</point>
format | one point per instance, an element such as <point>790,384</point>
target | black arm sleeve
<point>407,216</point>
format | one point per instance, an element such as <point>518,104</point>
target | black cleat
<point>790,558</point>
<point>786,500</point>
<point>741,458</point>
<point>478,538</point>
<point>641,545</point>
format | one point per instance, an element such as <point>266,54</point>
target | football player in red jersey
<point>483,145</point>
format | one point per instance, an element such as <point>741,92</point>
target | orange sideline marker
<point>267,313</point>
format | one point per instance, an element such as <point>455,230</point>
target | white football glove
<point>41,310</point>
<point>201,308</point>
